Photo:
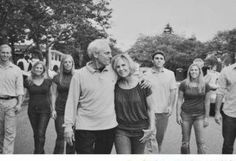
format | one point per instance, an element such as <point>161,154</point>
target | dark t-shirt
<point>194,102</point>
<point>39,100</point>
<point>62,89</point>
<point>131,107</point>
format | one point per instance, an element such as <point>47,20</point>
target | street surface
<point>171,145</point>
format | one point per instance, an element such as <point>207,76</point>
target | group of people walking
<point>110,102</point>
<point>47,99</point>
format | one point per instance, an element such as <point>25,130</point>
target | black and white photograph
<point>150,77</point>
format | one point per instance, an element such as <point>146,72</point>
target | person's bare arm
<point>178,107</point>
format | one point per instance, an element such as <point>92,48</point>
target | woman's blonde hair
<point>32,72</point>
<point>62,69</point>
<point>200,80</point>
<point>126,58</point>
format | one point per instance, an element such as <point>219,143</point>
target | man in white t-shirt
<point>163,93</point>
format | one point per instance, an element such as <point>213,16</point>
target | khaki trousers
<point>7,125</point>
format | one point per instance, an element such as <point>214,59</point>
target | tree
<point>114,50</point>
<point>168,29</point>
<point>12,26</point>
<point>180,51</point>
<point>224,41</point>
<point>72,22</point>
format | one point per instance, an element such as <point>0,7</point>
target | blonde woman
<point>60,88</point>
<point>39,109</point>
<point>134,108</point>
<point>193,108</point>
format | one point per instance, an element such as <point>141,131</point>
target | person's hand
<point>69,137</point>
<point>205,122</point>
<point>145,83</point>
<point>218,118</point>
<point>18,109</point>
<point>146,135</point>
<point>179,119</point>
<point>169,112</point>
<point>54,114</point>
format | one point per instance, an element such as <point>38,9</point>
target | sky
<point>202,18</point>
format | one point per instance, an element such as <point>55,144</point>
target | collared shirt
<point>11,80</point>
<point>162,84</point>
<point>90,103</point>
<point>227,88</point>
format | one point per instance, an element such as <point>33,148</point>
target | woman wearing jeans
<point>39,108</point>
<point>133,106</point>
<point>60,89</point>
<point>193,108</point>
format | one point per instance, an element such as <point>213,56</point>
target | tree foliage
<point>179,50</point>
<point>73,23</point>
<point>12,21</point>
<point>224,41</point>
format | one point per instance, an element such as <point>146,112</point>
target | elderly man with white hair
<point>90,103</point>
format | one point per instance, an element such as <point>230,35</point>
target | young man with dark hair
<point>164,94</point>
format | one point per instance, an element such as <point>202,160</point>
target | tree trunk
<point>13,52</point>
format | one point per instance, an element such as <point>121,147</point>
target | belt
<point>7,98</point>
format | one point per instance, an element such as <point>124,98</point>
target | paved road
<point>173,138</point>
<point>24,137</point>
<point>171,144</point>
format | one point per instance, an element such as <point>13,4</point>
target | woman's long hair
<point>62,69</point>
<point>200,80</point>
<point>32,75</point>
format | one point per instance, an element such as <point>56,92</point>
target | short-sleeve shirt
<point>194,102</point>
<point>131,107</point>
<point>62,90</point>
<point>39,100</point>
<point>163,83</point>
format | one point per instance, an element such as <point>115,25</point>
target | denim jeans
<point>7,126</point>
<point>151,145</point>
<point>39,123</point>
<point>60,142</point>
<point>127,142</point>
<point>229,134</point>
<point>94,142</point>
<point>59,147</point>
<point>161,126</point>
<point>70,149</point>
<point>195,120</point>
